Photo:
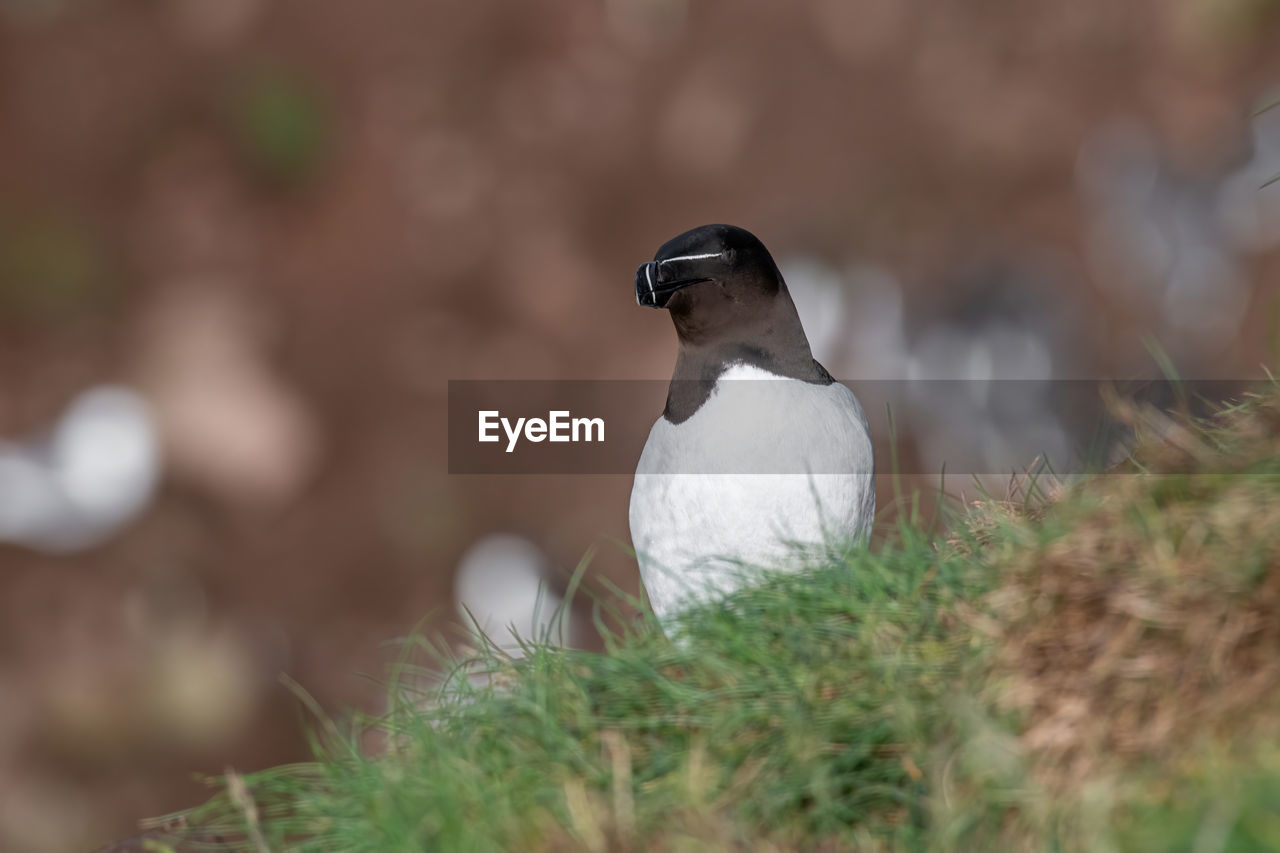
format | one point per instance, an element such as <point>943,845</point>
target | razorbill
<point>760,458</point>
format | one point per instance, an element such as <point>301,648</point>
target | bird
<point>760,459</point>
<point>501,597</point>
<point>77,484</point>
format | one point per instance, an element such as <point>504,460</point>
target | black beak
<point>652,291</point>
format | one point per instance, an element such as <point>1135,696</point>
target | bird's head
<point>711,275</point>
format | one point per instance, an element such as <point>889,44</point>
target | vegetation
<point>1087,668</point>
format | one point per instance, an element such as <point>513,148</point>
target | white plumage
<point>769,472</point>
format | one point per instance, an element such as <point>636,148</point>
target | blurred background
<point>244,245</point>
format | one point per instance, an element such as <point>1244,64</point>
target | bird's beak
<point>652,290</point>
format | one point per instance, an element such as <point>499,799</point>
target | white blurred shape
<point>946,352</point>
<point>1006,449</point>
<point>1018,354</point>
<point>818,292</point>
<point>1129,252</point>
<point>105,454</point>
<point>1178,246</point>
<point>1266,124</point>
<point>29,498</point>
<point>1118,165</point>
<point>1206,298</point>
<point>877,337</point>
<point>500,592</point>
<point>979,365</point>
<point>96,472</point>
<point>996,352</point>
<point>1249,212</point>
<point>943,352</point>
<point>986,420</point>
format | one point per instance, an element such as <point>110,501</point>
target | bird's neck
<point>774,341</point>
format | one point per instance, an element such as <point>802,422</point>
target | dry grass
<point>1148,620</point>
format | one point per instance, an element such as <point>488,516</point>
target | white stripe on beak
<point>691,257</point>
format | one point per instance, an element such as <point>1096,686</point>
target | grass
<point>1096,670</point>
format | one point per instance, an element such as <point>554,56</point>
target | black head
<point>710,263</point>
<point>730,306</point>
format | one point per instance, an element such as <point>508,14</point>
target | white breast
<point>769,472</point>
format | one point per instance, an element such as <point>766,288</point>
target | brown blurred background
<point>244,245</point>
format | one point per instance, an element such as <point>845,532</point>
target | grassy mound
<point>1096,672</point>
